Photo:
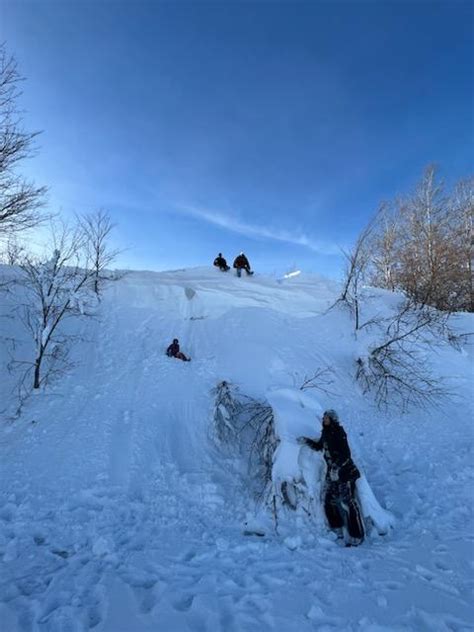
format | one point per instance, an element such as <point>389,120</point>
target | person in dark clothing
<point>221,263</point>
<point>242,263</point>
<point>174,352</point>
<point>340,503</point>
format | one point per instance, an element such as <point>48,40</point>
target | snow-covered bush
<point>246,425</point>
<point>282,477</point>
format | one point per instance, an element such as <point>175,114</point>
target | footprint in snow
<point>443,566</point>
<point>93,617</point>
<point>183,604</point>
<point>61,553</point>
<point>188,556</point>
<point>425,573</point>
<point>145,595</point>
<point>390,585</point>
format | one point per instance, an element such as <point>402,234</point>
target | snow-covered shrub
<point>246,425</point>
<point>296,472</point>
<point>226,411</point>
<point>281,476</point>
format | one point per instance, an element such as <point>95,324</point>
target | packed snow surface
<point>119,511</point>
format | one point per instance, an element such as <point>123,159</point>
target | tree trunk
<point>96,283</point>
<point>36,383</point>
<point>38,360</point>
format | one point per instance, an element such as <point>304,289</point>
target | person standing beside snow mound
<point>242,263</point>
<point>174,352</point>
<point>340,503</point>
<point>221,263</point>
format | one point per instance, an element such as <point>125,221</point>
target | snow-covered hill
<point>119,511</point>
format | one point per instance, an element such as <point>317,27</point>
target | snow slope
<point>119,513</point>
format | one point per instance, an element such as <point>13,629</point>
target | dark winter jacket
<point>220,262</point>
<point>173,350</point>
<point>337,453</point>
<point>241,261</point>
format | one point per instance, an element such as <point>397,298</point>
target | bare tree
<point>56,288</point>
<point>15,250</point>
<point>462,211</point>
<point>422,244</point>
<point>357,260</point>
<point>12,255</point>
<point>20,200</point>
<point>97,228</point>
<point>383,264</point>
<point>425,251</point>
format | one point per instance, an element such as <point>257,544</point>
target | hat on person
<point>331,413</point>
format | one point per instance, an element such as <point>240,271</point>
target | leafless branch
<point>320,380</point>
<point>20,200</point>
<point>357,260</point>
<point>395,370</point>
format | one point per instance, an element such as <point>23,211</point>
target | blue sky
<point>273,128</point>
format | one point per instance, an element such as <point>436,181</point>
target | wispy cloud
<point>236,225</point>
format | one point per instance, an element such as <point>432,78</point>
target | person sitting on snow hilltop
<point>340,503</point>
<point>242,263</point>
<point>174,352</point>
<point>221,263</point>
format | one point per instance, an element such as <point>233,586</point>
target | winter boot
<point>339,533</point>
